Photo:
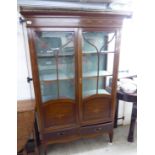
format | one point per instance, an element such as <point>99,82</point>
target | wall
<point>128,61</point>
<point>25,90</point>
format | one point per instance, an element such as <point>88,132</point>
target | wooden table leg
<point>132,124</point>
<point>116,113</point>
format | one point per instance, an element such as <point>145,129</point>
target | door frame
<point>114,74</point>
<point>35,74</point>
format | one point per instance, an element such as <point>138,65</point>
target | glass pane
<point>47,88</point>
<point>56,64</point>
<point>98,41</point>
<point>91,62</point>
<point>105,85</point>
<point>67,89</point>
<point>66,71</point>
<point>90,86</point>
<point>97,61</point>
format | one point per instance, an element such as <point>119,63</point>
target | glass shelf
<point>44,55</point>
<point>53,77</point>
<point>95,52</point>
<point>94,74</point>
<point>50,77</point>
<point>71,54</point>
<point>46,68</point>
<point>92,92</point>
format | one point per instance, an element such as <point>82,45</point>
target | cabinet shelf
<point>92,92</point>
<point>94,74</point>
<point>71,54</point>
<point>50,77</point>
<point>53,67</point>
<point>46,68</point>
<point>94,52</point>
<point>53,55</point>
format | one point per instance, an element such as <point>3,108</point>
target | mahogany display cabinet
<point>74,59</point>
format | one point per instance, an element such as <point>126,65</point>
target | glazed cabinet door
<point>55,56</point>
<point>98,53</point>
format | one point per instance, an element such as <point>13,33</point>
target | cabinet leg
<point>24,152</point>
<point>36,147</point>
<point>36,132</point>
<point>132,124</point>
<point>45,149</point>
<point>37,151</point>
<point>111,136</point>
<point>116,113</point>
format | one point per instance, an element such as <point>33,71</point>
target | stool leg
<point>132,124</point>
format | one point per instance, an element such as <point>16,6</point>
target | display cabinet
<point>74,58</point>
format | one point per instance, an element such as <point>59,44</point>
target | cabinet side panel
<point>35,77</point>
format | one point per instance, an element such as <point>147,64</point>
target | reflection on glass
<point>56,64</point>
<point>97,61</point>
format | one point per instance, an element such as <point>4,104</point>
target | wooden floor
<point>98,146</point>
